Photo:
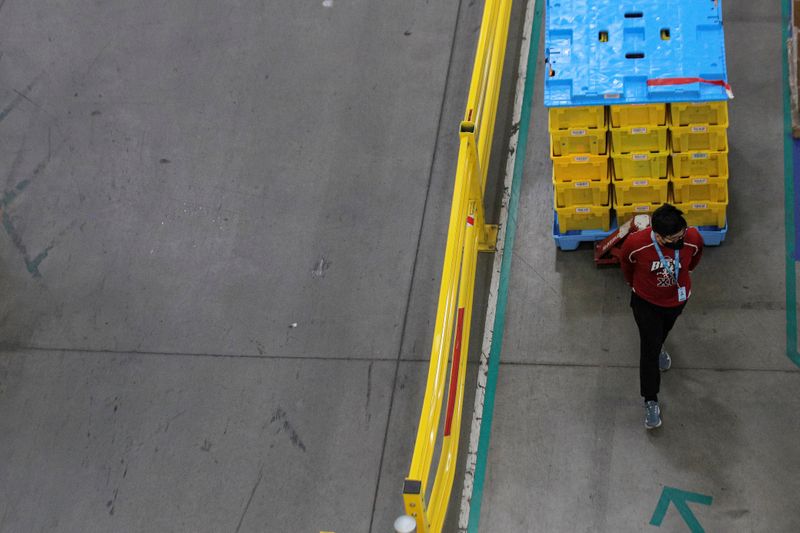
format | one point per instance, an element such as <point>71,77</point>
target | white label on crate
<point>578,133</point>
<point>640,157</point>
<point>582,210</point>
<point>581,184</point>
<point>699,129</point>
<point>641,183</point>
<point>642,208</point>
<point>700,181</point>
<point>638,131</point>
<point>581,158</point>
<point>611,96</point>
<point>699,206</point>
<point>700,155</point>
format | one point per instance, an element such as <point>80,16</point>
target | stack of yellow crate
<point>640,154</point>
<point>579,150</point>
<point>700,161</point>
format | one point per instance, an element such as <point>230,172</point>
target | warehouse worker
<point>657,262</point>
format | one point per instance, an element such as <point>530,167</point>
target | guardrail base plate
<point>489,242</point>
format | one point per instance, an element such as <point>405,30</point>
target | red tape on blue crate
<point>684,81</point>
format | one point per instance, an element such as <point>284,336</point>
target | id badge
<point>681,294</point>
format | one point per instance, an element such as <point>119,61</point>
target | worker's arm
<point>698,254</point>
<point>626,262</point>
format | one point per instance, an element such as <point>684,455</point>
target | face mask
<point>677,245</point>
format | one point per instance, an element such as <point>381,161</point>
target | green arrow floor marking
<point>679,499</point>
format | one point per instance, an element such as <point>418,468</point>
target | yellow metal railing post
<point>442,335</point>
<point>446,469</point>
<point>468,234</point>
<point>414,499</point>
<point>487,233</point>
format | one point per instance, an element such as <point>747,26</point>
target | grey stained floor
<point>224,225</point>
<point>223,232</point>
<point>569,451</point>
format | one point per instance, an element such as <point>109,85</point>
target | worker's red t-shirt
<point>644,272</point>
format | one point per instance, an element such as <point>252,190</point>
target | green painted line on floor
<point>505,274</point>
<point>788,178</point>
<point>680,498</point>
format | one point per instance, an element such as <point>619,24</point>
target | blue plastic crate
<point>712,235</point>
<point>584,69</point>
<point>572,239</point>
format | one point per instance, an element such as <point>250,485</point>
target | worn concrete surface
<point>204,175</point>
<point>128,442</point>
<point>185,181</point>
<point>223,228</point>
<point>569,451</point>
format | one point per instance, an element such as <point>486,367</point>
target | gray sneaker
<point>664,360</point>
<point>652,415</point>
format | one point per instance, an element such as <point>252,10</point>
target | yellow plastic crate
<point>581,192</point>
<point>638,115</point>
<point>627,212</point>
<point>640,165</point>
<point>715,113</point>
<point>641,190</point>
<point>703,213</point>
<point>639,139</point>
<point>583,217</point>
<point>700,164</point>
<point>700,188</point>
<point>562,118</point>
<point>580,166</point>
<point>699,138</point>
<point>578,141</point>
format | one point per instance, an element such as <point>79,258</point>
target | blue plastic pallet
<point>584,70</point>
<point>572,239</point>
<point>712,235</point>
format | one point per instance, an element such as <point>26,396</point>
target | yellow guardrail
<point>468,234</point>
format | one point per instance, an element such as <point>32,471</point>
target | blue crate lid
<point>585,69</point>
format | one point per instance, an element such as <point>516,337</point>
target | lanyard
<point>676,264</point>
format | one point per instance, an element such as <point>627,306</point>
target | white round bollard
<point>405,524</point>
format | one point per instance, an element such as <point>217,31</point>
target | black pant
<point>654,323</point>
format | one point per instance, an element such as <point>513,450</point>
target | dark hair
<point>667,220</point>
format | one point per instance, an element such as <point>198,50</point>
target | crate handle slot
<point>634,15</point>
<point>634,55</point>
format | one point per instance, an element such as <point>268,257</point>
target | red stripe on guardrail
<point>451,395</point>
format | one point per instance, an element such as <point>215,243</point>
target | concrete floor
<point>569,451</point>
<point>224,227</point>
